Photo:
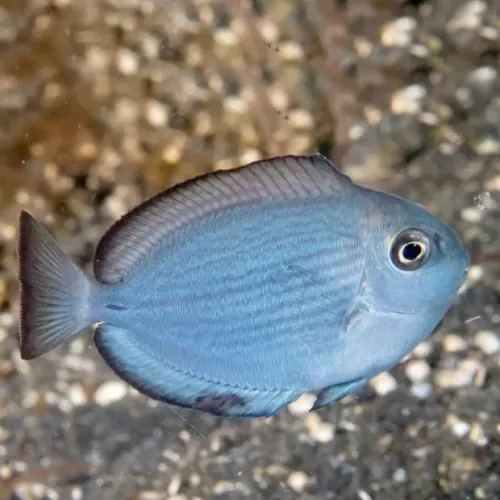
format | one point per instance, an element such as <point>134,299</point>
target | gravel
<point>103,103</point>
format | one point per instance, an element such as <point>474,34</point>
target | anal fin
<point>158,379</point>
<point>335,392</point>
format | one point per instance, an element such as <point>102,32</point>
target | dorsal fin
<point>280,178</point>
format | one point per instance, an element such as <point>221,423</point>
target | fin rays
<point>288,177</point>
<point>54,291</point>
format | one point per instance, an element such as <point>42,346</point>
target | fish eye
<point>410,249</point>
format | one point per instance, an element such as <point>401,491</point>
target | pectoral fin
<point>335,392</point>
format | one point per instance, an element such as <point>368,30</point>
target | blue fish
<point>238,291</point>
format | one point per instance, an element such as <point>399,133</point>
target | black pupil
<point>412,251</point>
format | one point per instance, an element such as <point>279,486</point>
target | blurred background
<point>106,102</point>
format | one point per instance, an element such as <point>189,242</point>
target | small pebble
<point>150,495</point>
<point>422,350</point>
<point>127,61</point>
<point>4,435</point>
<point>30,398</point>
<point>7,320</point>
<point>493,184</point>
<point>322,432</point>
<point>276,470</point>
<point>356,132</point>
<point>454,343</point>
<point>464,97</point>
<point>156,113</point>
<point>400,476</point>
<point>249,135</point>
<point>249,156</point>
<point>398,33</point>
<point>175,484</point>
<point>421,391</point>
<point>226,37</point>
<point>77,395</point>
<point>475,273</point>
<point>150,45</point>
<point>459,427</point>
<point>484,201</point>
<point>468,17</point>
<point>363,495</point>
<point>487,341</point>
<point>372,114</point>
<point>110,392</point>
<point>477,435</point>
<point>428,118</point>
<point>300,144</point>
<point>223,486</point>
<point>453,379</point>
<point>363,47</point>
<point>301,119</point>
<point>490,33</point>
<point>302,405</point>
<point>126,111</point>
<point>417,370</point>
<point>225,164</point>
<point>96,59</point>
<point>77,347</point>
<point>268,31</point>
<point>193,55</point>
<point>484,74</point>
<point>236,105</point>
<point>419,50</point>
<point>76,493</point>
<point>172,153</point>
<point>472,214</point>
<point>51,495</point>
<point>8,231</point>
<point>194,479</point>
<point>408,101</point>
<point>61,4</point>
<point>291,51</point>
<point>464,375</point>
<point>470,365</point>
<point>298,480</point>
<point>487,146</point>
<point>203,124</point>
<point>384,384</point>
<point>279,98</point>
<point>114,207</point>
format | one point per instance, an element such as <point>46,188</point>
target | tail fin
<point>54,291</point>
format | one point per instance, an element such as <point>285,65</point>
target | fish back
<point>135,234</point>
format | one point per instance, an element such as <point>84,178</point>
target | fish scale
<point>237,291</point>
